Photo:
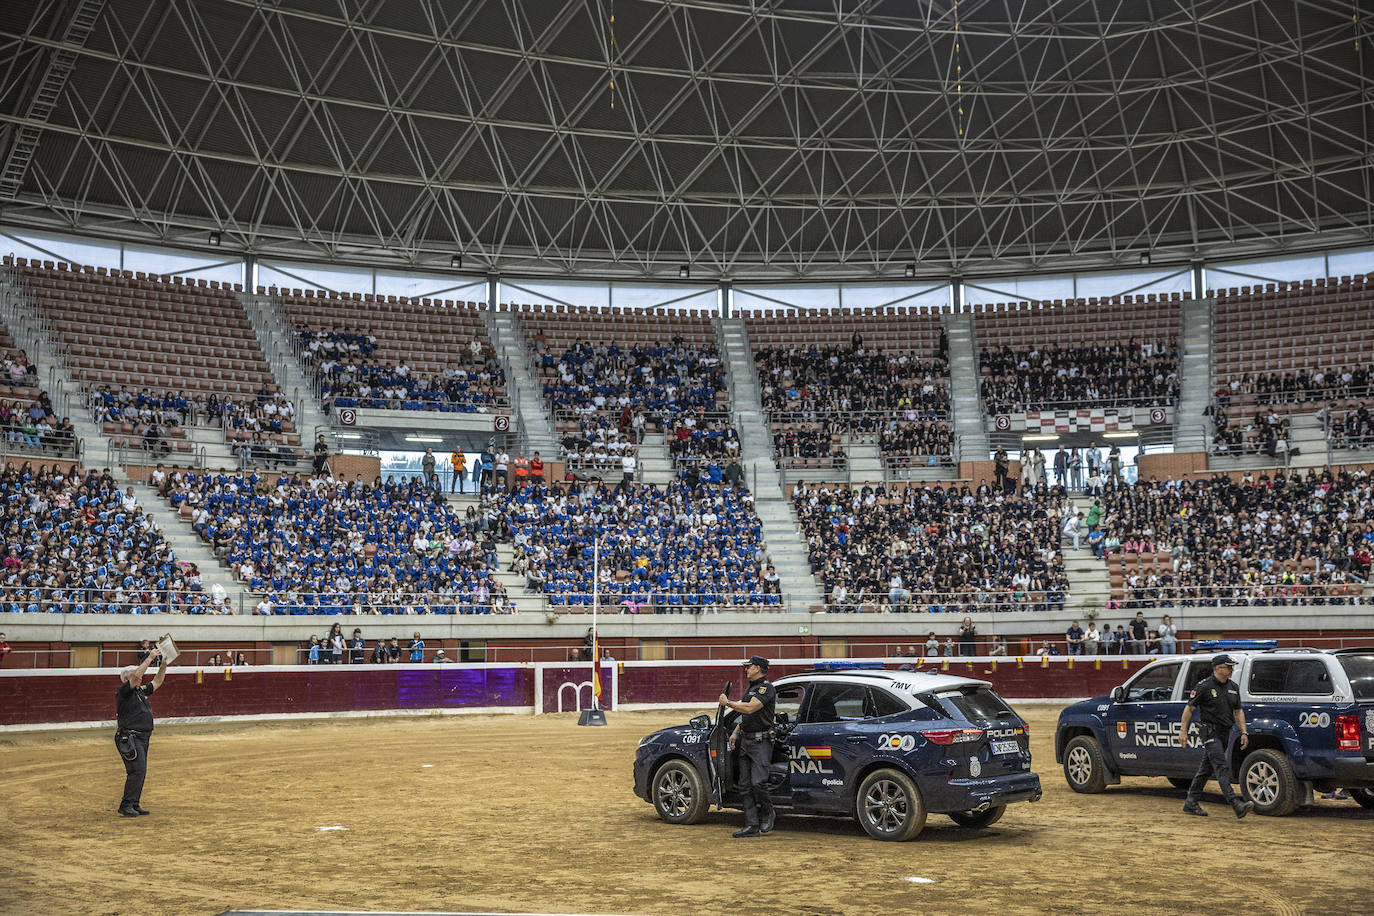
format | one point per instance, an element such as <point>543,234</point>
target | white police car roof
<point>911,683</point>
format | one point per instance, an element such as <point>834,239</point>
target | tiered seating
<point>1290,540</point>
<point>872,373</point>
<point>172,337</point>
<point>662,551</point>
<point>313,546</point>
<point>1084,353</point>
<point>432,338</point>
<point>609,366</point>
<point>1293,342</point>
<point>934,548</point>
<point>75,546</point>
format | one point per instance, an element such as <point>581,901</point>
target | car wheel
<point>1365,797</point>
<point>889,807</point>
<point>1084,767</point>
<point>1266,778</point>
<point>1180,782</point>
<point>679,793</point>
<point>978,819</point>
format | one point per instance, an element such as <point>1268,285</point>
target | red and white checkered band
<point>1096,419</point>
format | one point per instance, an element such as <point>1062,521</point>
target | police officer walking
<point>134,716</point>
<point>754,736</point>
<point>1218,699</point>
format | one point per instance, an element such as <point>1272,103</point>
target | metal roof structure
<point>758,139</point>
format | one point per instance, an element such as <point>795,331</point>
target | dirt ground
<point>510,814</point>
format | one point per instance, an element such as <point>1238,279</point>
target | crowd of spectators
<point>76,544</point>
<point>1264,434</point>
<point>348,375</point>
<point>814,393</point>
<point>1351,428</point>
<point>321,545</point>
<point>338,648</point>
<point>837,380</point>
<point>661,382</point>
<point>939,549</point>
<point>687,548</point>
<point>1049,378</point>
<point>1288,539</point>
<point>711,440</point>
<point>916,441</point>
<point>1302,385</point>
<point>798,443</point>
<point>598,445</point>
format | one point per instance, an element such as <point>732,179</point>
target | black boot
<point>1242,808</point>
<point>748,831</point>
<point>1192,807</point>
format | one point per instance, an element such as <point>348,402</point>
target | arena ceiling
<point>748,138</point>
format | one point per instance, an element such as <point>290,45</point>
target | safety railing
<point>996,405</point>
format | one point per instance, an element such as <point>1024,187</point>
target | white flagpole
<point>596,591</point>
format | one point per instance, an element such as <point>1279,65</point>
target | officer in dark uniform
<point>754,734</point>
<point>134,726</point>
<point>1218,700</point>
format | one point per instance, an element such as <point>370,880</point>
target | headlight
<point>643,741</point>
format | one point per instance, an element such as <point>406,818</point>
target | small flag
<point>1020,662</point>
<point>200,676</point>
<point>596,667</point>
<point>1070,662</point>
<point>994,664</point>
<point>1044,661</point>
<point>1097,664</point>
<point>228,674</point>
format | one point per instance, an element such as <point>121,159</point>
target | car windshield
<point>977,704</point>
<point>1360,670</point>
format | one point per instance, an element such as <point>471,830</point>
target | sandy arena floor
<point>521,814</point>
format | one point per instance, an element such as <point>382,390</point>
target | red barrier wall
<point>87,696</point>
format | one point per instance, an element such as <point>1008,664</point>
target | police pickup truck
<point>885,747</point>
<point>1310,715</point>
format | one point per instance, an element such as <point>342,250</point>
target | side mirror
<point>701,721</point>
<point>1118,694</point>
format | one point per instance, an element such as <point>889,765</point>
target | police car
<point>885,747</point>
<point>1310,716</point>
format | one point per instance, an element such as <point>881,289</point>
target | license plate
<point>1005,747</point>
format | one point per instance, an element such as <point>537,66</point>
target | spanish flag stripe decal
<point>818,752</point>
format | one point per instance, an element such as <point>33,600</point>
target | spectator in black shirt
<point>134,718</point>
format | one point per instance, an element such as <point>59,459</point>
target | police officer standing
<point>134,718</point>
<point>754,735</point>
<point>1218,700</point>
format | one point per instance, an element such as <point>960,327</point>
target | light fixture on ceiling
<point>424,439</point>
<point>349,435</point>
<point>1121,435</point>
<point>910,271</point>
<point>456,262</point>
<point>684,272</point>
<point>1040,438</point>
<point>215,239</point>
<point>1145,258</point>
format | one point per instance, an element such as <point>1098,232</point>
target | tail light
<point>1348,732</point>
<point>953,735</point>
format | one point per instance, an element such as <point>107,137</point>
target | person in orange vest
<point>522,471</point>
<point>459,460</point>
<point>536,469</point>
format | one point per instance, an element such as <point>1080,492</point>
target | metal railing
<point>996,405</point>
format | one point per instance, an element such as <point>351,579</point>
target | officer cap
<point>1222,660</point>
<point>757,660</point>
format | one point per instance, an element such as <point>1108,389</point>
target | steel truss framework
<point>752,139</point>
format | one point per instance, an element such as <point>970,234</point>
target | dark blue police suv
<point>885,747</point>
<point>1310,716</point>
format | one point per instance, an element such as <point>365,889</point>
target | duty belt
<point>757,736</point>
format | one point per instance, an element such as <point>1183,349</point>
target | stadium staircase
<point>1194,375</point>
<point>655,465</point>
<point>781,533</point>
<point>531,418</point>
<point>972,443</point>
<point>1090,583</point>
<point>189,547</point>
<point>275,339</point>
